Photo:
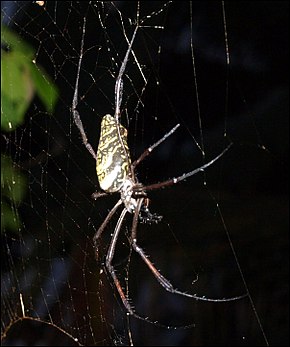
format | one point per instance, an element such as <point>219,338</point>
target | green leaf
<point>45,88</point>
<point>17,90</point>
<point>13,42</point>
<point>21,80</point>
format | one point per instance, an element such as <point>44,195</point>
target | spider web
<point>218,70</point>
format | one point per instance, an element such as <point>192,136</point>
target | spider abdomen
<point>113,158</point>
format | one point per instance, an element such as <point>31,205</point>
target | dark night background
<point>250,183</point>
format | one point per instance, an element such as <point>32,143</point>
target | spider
<point>116,174</point>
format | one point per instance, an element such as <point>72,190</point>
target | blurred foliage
<point>21,81</point>
<point>13,187</point>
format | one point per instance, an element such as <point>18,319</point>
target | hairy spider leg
<point>76,115</point>
<point>150,149</point>
<point>119,95</point>
<point>119,80</point>
<point>111,270</point>
<point>161,279</point>
<point>109,259</point>
<point>105,222</point>
<point>180,178</point>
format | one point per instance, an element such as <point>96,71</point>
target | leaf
<point>17,90</point>
<point>13,42</point>
<point>21,80</point>
<point>44,87</point>
<point>13,189</point>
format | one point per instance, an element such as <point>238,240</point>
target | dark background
<point>250,183</point>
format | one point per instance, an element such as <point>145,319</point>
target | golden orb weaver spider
<point>116,174</point>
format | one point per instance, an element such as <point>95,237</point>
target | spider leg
<point>150,149</point>
<point>161,279</point>
<point>76,115</point>
<point>105,222</point>
<point>119,80</point>
<point>111,270</point>
<point>175,180</point>
<point>110,267</point>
